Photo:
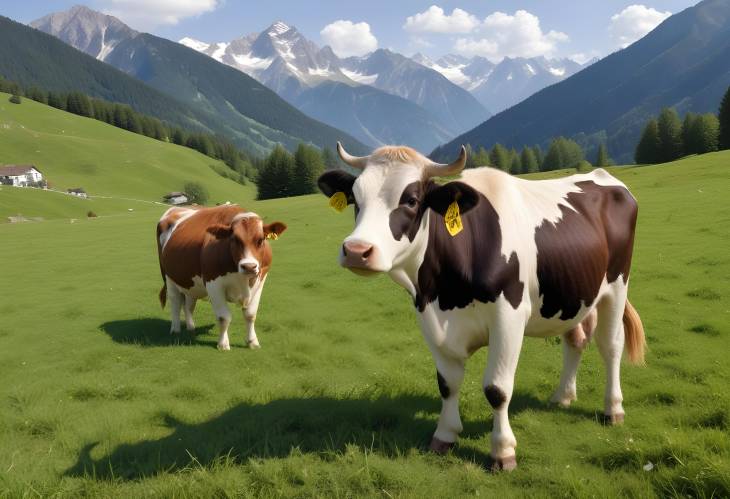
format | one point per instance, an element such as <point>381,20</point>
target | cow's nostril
<point>367,253</point>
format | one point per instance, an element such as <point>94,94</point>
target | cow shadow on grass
<point>152,332</point>
<point>390,426</point>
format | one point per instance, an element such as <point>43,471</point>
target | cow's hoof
<point>174,332</point>
<point>613,419</point>
<point>439,446</point>
<point>190,328</point>
<point>254,345</point>
<point>503,463</point>
<point>224,347</point>
<point>563,400</point>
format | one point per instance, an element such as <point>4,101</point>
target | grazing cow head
<point>391,196</point>
<point>246,235</point>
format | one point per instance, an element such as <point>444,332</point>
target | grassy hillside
<point>341,400</point>
<point>72,151</point>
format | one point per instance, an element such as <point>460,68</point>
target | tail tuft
<point>163,295</point>
<point>634,333</point>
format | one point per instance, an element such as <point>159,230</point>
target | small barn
<point>20,175</point>
<point>176,198</point>
<point>78,191</point>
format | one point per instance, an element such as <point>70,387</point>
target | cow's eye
<point>412,202</point>
<point>260,242</point>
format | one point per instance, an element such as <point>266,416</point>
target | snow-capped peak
<point>194,44</point>
<point>279,28</point>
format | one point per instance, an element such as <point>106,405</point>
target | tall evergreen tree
<point>499,157</point>
<point>724,117</point>
<point>275,175</point>
<point>670,135</point>
<point>602,158</point>
<point>563,153</point>
<point>308,166</point>
<point>329,158</point>
<point>481,157</point>
<point>515,166</point>
<point>529,161</point>
<point>704,133</point>
<point>689,145</point>
<point>647,150</point>
<point>539,156</point>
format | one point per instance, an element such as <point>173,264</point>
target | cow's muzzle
<point>360,257</point>
<point>251,269</point>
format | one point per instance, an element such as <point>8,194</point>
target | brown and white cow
<point>533,258</point>
<point>222,253</point>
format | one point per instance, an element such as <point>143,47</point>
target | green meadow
<point>98,400</point>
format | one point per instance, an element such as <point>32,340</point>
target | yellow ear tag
<point>272,235</point>
<point>452,219</point>
<point>338,201</point>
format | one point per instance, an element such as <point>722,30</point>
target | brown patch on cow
<point>210,243</point>
<point>443,387</point>
<point>469,266</point>
<point>495,396</point>
<point>593,240</point>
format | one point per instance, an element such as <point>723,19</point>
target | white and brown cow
<point>222,253</point>
<point>533,258</point>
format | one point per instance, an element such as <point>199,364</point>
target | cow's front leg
<point>505,342</point>
<point>449,375</point>
<point>223,316</point>
<point>249,314</point>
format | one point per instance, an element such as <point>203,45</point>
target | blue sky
<point>491,28</point>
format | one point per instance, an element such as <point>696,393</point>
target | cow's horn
<point>358,162</point>
<point>443,170</point>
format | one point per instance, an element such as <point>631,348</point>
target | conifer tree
<point>529,161</point>
<point>602,158</point>
<point>308,166</point>
<point>670,135</point>
<point>724,117</point>
<point>499,157</point>
<point>647,151</point>
<point>275,175</point>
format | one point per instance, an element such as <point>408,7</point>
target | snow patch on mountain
<point>194,44</point>
<point>359,77</point>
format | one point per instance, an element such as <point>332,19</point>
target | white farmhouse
<point>20,175</point>
<point>176,198</point>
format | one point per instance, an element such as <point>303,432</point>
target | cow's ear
<point>334,181</point>
<point>220,231</point>
<point>274,230</point>
<point>439,197</point>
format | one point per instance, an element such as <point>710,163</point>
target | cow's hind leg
<point>249,314</point>
<point>574,342</point>
<point>189,309</point>
<point>505,342</point>
<point>223,316</point>
<point>610,342</point>
<point>449,375</point>
<point>175,297</point>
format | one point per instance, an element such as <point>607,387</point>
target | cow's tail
<point>634,334</point>
<point>163,291</point>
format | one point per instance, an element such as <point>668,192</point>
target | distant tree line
<point>668,138</point>
<point>562,153</point>
<point>283,174</point>
<point>123,116</point>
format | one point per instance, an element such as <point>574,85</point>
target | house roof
<point>174,194</point>
<point>14,170</point>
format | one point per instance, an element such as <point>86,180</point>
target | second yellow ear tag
<point>452,219</point>
<point>272,235</point>
<point>338,201</point>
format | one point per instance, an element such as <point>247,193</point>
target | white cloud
<point>518,35</point>
<point>634,22</point>
<point>146,14</point>
<point>435,20</point>
<point>347,38</point>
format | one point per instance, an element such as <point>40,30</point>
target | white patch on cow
<point>165,236</point>
<point>241,216</point>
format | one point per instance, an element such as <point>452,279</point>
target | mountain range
<point>423,107</point>
<point>502,85</point>
<point>217,98</point>
<point>684,63</point>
